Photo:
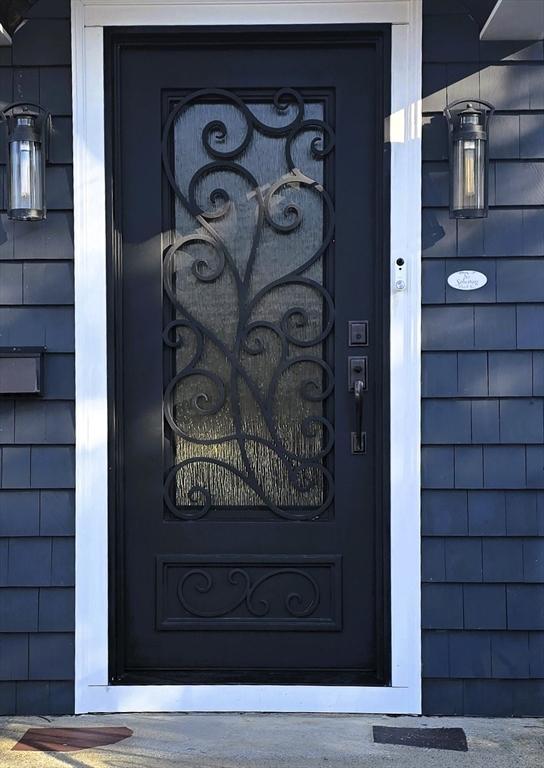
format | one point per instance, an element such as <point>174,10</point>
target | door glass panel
<point>248,402</point>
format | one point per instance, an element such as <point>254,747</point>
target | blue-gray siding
<point>483,385</point>
<point>37,436</point>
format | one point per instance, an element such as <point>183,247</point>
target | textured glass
<point>250,385</point>
<point>469,174</point>
<point>25,177</point>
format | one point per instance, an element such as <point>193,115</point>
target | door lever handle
<point>358,437</point>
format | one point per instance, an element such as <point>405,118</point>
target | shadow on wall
<point>505,75</point>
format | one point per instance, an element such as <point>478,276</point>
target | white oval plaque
<point>467,280</point>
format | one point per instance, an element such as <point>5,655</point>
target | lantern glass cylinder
<point>469,176</point>
<point>26,194</point>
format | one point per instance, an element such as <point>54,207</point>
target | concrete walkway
<point>278,741</point>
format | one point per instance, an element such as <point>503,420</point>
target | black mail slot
<point>21,370</point>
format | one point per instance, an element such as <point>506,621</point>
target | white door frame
<point>92,692</point>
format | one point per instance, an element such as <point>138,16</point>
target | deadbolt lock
<point>357,333</point>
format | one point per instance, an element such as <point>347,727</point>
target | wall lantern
<point>28,127</point>
<point>469,158</point>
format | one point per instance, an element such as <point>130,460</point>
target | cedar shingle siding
<point>483,384</point>
<point>37,436</point>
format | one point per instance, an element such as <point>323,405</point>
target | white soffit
<point>5,38</point>
<point>515,20</point>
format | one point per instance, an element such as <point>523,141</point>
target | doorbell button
<point>399,277</point>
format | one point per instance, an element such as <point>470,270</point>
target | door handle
<point>358,437</point>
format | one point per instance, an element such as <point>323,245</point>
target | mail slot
<point>21,370</point>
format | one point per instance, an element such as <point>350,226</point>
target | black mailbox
<point>21,370</point>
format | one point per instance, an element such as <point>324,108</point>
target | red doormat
<point>70,739</point>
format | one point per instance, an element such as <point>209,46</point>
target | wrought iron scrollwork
<point>246,593</point>
<point>292,332</point>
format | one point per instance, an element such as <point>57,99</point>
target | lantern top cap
<point>26,114</point>
<point>26,109</point>
<point>455,109</point>
<point>23,109</point>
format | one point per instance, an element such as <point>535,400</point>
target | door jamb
<point>92,692</point>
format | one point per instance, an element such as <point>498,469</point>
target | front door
<point>248,363</point>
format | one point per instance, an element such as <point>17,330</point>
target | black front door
<point>248,359</point>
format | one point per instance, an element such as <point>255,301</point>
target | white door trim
<point>92,692</point>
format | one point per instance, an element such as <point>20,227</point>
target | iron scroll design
<point>295,604</point>
<point>291,332</point>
